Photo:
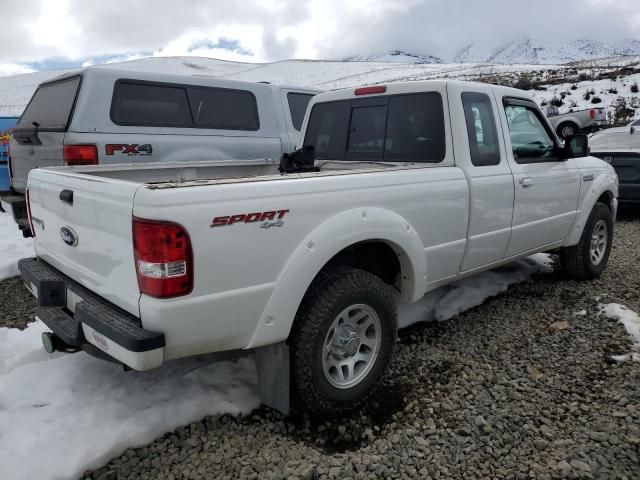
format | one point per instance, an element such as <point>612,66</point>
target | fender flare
<point>601,184</point>
<point>321,245</point>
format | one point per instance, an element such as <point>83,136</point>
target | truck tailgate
<point>84,229</point>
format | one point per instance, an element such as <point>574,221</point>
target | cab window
<point>530,140</point>
<point>481,129</point>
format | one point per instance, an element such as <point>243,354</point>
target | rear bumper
<point>79,317</point>
<point>16,206</point>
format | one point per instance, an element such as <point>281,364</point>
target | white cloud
<point>7,69</point>
<point>267,30</point>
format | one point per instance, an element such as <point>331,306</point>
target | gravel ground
<point>501,391</point>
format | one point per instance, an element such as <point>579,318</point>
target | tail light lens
<point>164,261</point>
<point>28,200</point>
<point>80,155</point>
<point>592,113</point>
<point>10,166</point>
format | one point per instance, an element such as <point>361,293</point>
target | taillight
<point>370,90</point>
<point>164,261</point>
<point>10,166</point>
<point>80,154</point>
<point>592,113</point>
<point>28,200</point>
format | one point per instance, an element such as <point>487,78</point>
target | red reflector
<point>164,262</point>
<point>592,113</point>
<point>371,90</point>
<point>28,200</point>
<point>80,155</point>
<point>10,166</point>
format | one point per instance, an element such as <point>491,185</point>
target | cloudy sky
<point>41,34</point>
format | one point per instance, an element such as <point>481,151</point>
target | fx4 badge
<point>268,219</point>
<point>125,149</point>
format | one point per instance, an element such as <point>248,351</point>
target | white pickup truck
<point>415,185</point>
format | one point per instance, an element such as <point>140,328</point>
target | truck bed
<point>183,174</point>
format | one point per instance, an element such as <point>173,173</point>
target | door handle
<point>526,182</point>
<point>67,196</point>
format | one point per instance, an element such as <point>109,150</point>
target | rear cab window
<point>51,106</point>
<point>153,104</point>
<point>402,127</point>
<point>298,103</point>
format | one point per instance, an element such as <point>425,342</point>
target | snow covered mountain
<point>526,51</point>
<point>396,56</point>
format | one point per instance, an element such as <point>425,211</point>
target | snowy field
<point>77,411</point>
<point>15,91</point>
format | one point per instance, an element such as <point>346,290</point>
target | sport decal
<point>268,219</point>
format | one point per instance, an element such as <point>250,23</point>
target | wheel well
<point>375,257</point>
<point>606,198</point>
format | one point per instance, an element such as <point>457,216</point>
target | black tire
<point>577,260</point>
<point>333,291</point>
<point>566,129</point>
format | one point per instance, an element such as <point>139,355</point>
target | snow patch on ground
<point>75,412</point>
<point>631,322</point>
<point>13,246</point>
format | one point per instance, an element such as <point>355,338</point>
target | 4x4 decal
<point>129,149</point>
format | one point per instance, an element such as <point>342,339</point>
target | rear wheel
<point>565,130</point>
<point>342,340</point>
<point>588,259</point>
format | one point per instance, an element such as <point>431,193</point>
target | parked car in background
<point>6,124</point>
<point>415,185</point>
<point>105,116</point>
<point>620,146</point>
<point>567,124</point>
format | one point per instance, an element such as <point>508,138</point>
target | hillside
<point>543,81</point>
<point>524,51</point>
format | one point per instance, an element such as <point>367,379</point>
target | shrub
<point>543,103</point>
<point>622,114</point>
<point>634,87</point>
<point>613,90</point>
<point>574,87</point>
<point>573,104</point>
<point>556,102</point>
<point>524,82</point>
<point>583,77</point>
<point>562,95</point>
<point>596,100</point>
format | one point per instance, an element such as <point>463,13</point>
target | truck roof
<point>394,88</point>
<point>196,79</point>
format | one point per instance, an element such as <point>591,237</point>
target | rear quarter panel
<point>245,293</point>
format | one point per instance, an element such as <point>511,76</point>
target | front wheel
<point>588,259</point>
<point>342,340</point>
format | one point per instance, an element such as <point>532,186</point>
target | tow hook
<point>53,343</point>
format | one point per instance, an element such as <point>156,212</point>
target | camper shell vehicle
<point>106,116</point>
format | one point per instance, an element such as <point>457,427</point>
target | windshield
<point>636,123</point>
<point>51,105</point>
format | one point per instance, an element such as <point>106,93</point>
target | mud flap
<point>272,364</point>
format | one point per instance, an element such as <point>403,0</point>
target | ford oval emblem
<point>69,236</point>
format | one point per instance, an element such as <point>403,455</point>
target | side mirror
<point>576,146</point>
<point>632,130</point>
